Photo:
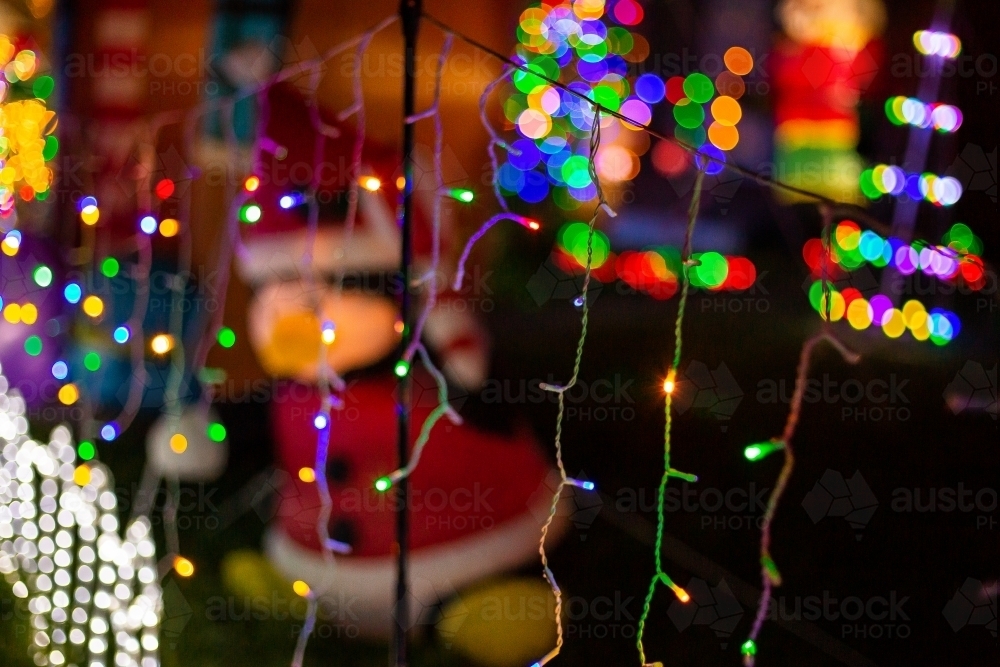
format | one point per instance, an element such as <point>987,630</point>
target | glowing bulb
<point>169,227</point>
<point>251,184</point>
<point>162,343</point>
<point>307,475</point>
<point>402,368</point>
<point>109,431</point>
<point>400,182</point>
<point>148,224</point>
<point>90,215</point>
<point>291,200</point>
<point>329,333</point>
<point>72,292</point>
<point>86,450</point>
<point>383,484</point>
<point>371,183</point>
<point>93,306</point>
<point>216,432</point>
<point>122,334</point>
<point>761,450</point>
<point>110,267</point>
<point>301,588</point>
<point>164,188</point>
<point>183,566</point>
<point>92,361</point>
<point>250,214</point>
<point>42,275</point>
<point>178,443</point>
<point>669,385</point>
<point>749,647</point>
<point>33,346</point>
<point>226,337</point>
<point>320,421</point>
<point>462,195</point>
<point>81,475</point>
<point>60,370</point>
<point>68,394</point>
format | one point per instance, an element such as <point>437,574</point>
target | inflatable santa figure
<point>475,507</point>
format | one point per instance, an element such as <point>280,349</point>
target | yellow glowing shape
<point>307,475</point>
<point>371,183</point>
<point>162,343</point>
<point>726,110</point>
<point>919,326</point>
<point>723,137</point>
<point>400,182</point>
<point>169,227</point>
<point>93,306</point>
<point>738,60</point>
<point>911,309</point>
<point>859,314</point>
<point>251,184</point>
<point>837,306</point>
<point>178,443</point>
<point>90,215</point>
<point>669,385</point>
<point>12,313</point>
<point>82,475</point>
<point>893,325</point>
<point>29,314</point>
<point>68,394</point>
<point>9,248</point>
<point>328,336</point>
<point>301,588</point>
<point>183,566</point>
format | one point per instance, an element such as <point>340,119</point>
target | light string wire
<point>328,377</point>
<point>770,576</point>
<point>560,391</point>
<point>430,278</point>
<point>668,471</point>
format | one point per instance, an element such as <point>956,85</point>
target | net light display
<point>944,118</point>
<point>94,596</point>
<point>886,179</point>
<point>708,112</point>
<point>935,43</point>
<point>955,260</point>
<point>26,125</point>
<point>585,45</point>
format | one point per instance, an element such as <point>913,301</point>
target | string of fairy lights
<point>565,85</point>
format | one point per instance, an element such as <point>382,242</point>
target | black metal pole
<point>409,11</point>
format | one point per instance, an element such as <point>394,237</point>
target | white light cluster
<point>94,598</point>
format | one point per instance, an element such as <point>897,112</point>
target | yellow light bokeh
<point>169,227</point>
<point>307,475</point>
<point>93,306</point>
<point>29,314</point>
<point>859,314</point>
<point>69,394</point>
<point>178,443</point>
<point>90,215</point>
<point>162,343</point>
<point>893,325</point>
<point>301,588</point>
<point>82,475</point>
<point>12,313</point>
<point>183,566</point>
<point>371,183</point>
